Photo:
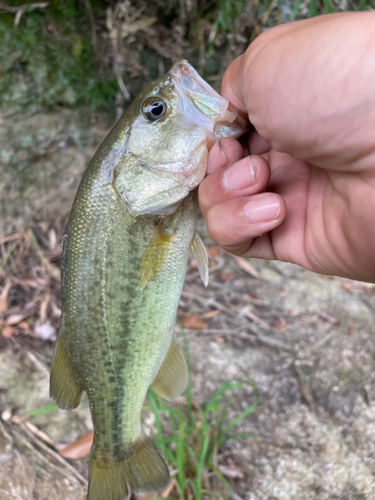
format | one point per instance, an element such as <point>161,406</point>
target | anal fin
<point>63,384</point>
<point>172,377</point>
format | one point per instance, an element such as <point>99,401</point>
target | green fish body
<point>124,260</point>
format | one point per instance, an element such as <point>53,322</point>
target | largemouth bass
<point>124,260</point>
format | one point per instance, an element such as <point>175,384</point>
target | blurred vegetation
<point>47,59</point>
<point>101,52</point>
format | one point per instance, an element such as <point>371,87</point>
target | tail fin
<point>142,468</point>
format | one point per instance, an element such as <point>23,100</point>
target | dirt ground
<point>306,340</point>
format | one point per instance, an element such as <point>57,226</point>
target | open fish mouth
<point>205,106</point>
<point>202,105</point>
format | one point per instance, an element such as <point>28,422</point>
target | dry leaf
<point>231,471</point>
<point>249,268</point>
<point>225,277</point>
<point>4,297</point>
<point>329,318</point>
<point>80,448</point>
<point>280,324</point>
<point>14,319</point>
<point>31,283</point>
<point>43,308</point>
<point>8,331</point>
<point>52,239</point>
<point>194,322</point>
<point>56,311</point>
<point>212,251</point>
<point>210,314</point>
<point>24,325</point>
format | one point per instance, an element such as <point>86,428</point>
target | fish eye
<point>154,108</point>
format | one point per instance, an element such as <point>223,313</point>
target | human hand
<point>309,90</point>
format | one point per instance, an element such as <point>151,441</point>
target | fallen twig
<point>51,452</point>
<point>247,267</point>
<point>37,363</point>
<point>249,314</point>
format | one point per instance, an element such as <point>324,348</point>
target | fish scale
<point>124,260</point>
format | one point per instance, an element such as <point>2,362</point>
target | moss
<point>47,60</point>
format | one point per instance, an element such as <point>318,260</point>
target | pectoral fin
<point>172,377</point>
<point>200,254</point>
<point>64,388</point>
<point>155,256</point>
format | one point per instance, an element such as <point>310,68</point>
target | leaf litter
<point>29,318</point>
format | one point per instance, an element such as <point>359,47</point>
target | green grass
<point>190,436</point>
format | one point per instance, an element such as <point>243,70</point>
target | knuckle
<point>215,227</point>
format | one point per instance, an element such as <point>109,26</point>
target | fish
<point>124,259</point>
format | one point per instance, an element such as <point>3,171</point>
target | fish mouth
<point>211,109</point>
<point>201,106</point>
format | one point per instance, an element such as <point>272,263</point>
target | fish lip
<point>183,68</point>
<point>215,110</point>
<point>210,105</point>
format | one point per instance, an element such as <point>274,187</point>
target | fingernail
<point>262,208</point>
<point>241,175</point>
<point>222,151</point>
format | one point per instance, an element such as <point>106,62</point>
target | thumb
<point>231,85</point>
<point>240,74</point>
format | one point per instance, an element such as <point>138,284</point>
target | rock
<point>16,476</point>
<point>42,160</point>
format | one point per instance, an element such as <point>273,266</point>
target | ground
<point>307,341</point>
